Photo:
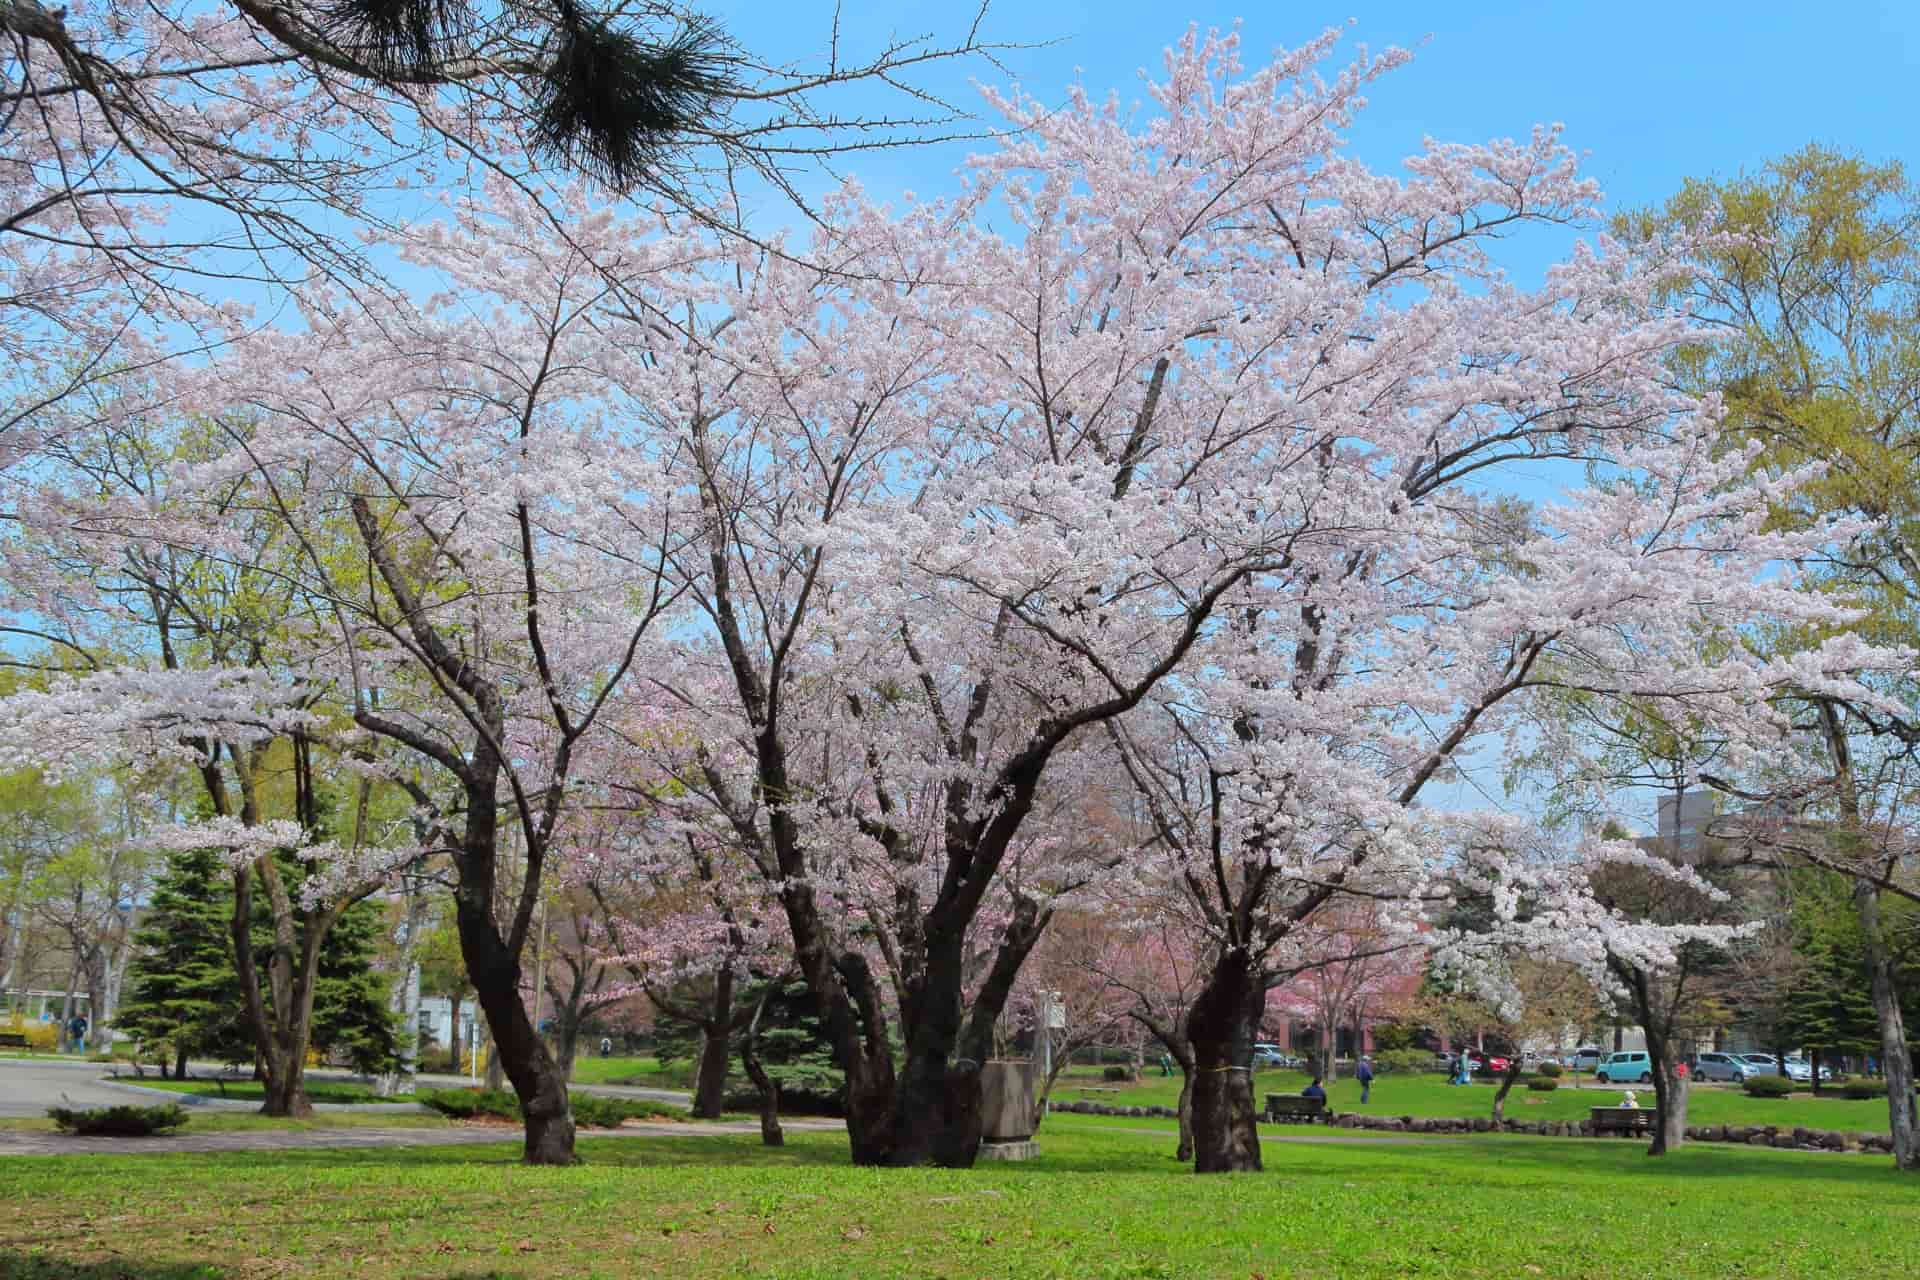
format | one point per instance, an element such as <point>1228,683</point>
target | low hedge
<point>1551,1068</point>
<point>1543,1083</point>
<point>1402,1060</point>
<point>1861,1090</point>
<point>590,1110</point>
<point>1116,1073</point>
<point>793,1102</point>
<point>1769,1086</point>
<point>119,1122</point>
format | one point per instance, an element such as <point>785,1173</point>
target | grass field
<point>640,1073</point>
<point>206,1121</point>
<point>1428,1094</point>
<point>252,1091</point>
<point>1100,1203</point>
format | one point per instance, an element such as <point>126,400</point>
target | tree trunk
<point>1506,1086</point>
<point>1670,1096</point>
<point>771,1134</point>
<point>518,1052</point>
<point>454,1045</point>
<point>1813,1056</point>
<point>1221,1028</point>
<point>710,1081</point>
<point>1184,1152</point>
<point>179,1063</point>
<point>1896,1058</point>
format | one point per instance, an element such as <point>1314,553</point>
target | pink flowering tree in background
<point>1353,964</point>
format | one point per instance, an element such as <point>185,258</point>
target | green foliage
<point>1551,1068</point>
<point>1859,1090</point>
<point>1543,1083</point>
<point>1116,1073</point>
<point>1394,1037</point>
<point>184,996</point>
<point>120,1121</point>
<point>185,991</point>
<point>1402,1060</point>
<point>465,1104</point>
<point>1769,1086</point>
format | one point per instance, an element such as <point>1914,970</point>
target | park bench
<point>1627,1121</point>
<point>1099,1088</point>
<point>1291,1107</point>
<point>15,1040</point>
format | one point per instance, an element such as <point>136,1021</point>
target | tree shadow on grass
<point>47,1264</point>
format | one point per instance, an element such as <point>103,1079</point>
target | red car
<point>1496,1064</point>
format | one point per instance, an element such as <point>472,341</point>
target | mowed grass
<point>639,1073</point>
<point>253,1091</point>
<point>1428,1094</point>
<point>209,1121</point>
<point>1098,1204</point>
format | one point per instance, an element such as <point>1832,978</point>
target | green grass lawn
<point>253,1091</point>
<point>1428,1094</point>
<point>640,1073</point>
<point>206,1121</point>
<point>1098,1204</point>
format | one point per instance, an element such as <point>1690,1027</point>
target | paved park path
<point>18,1142</point>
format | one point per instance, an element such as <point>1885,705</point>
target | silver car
<point>1721,1066</point>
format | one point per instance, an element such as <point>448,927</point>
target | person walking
<point>1166,1064</point>
<point>77,1033</point>
<point>1363,1072</point>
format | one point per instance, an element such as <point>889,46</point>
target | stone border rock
<point>1799,1139</point>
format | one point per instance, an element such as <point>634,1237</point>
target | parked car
<point>1483,1062</point>
<point>1802,1070</point>
<point>1763,1064</point>
<point>1269,1055</point>
<point>1722,1066</point>
<point>1586,1059</point>
<point>1618,1068</point>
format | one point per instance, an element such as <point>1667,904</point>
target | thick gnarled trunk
<point>710,1081</point>
<point>1221,1027</point>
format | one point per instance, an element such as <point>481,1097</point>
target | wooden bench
<point>15,1040</point>
<point>1627,1121</point>
<point>1099,1088</point>
<point>1287,1108</point>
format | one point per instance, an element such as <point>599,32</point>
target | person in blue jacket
<point>1363,1072</point>
<point>1314,1090</point>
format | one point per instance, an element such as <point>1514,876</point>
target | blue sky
<point>1651,93</point>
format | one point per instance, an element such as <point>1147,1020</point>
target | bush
<point>1769,1086</point>
<point>1117,1073</point>
<point>465,1104</point>
<point>793,1102</point>
<point>1551,1068</point>
<point>1543,1083</point>
<point>1402,1060</point>
<point>1861,1090</point>
<point>119,1122</point>
<point>41,1036</point>
<point>596,1111</point>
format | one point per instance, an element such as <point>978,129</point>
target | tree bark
<point>1669,1092</point>
<point>1506,1086</point>
<point>710,1081</point>
<point>453,1032</point>
<point>1896,1058</point>
<point>771,1134</point>
<point>1221,1028</point>
<point>1184,1152</point>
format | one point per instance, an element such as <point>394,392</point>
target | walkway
<point>16,1142</point>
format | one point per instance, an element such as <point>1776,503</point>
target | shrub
<point>465,1104</point>
<point>1117,1073</point>
<point>793,1102</point>
<point>1551,1068</point>
<point>1860,1090</point>
<point>1769,1086</point>
<point>41,1036</point>
<point>119,1122</point>
<point>1543,1083</point>
<point>1402,1060</point>
<point>596,1111</point>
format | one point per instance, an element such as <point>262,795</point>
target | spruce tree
<point>183,992</point>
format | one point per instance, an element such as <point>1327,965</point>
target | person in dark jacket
<point>1314,1090</point>
<point>1364,1074</point>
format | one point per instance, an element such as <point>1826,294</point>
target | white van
<point>1622,1067</point>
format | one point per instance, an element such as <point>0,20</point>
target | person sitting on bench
<point>1314,1090</point>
